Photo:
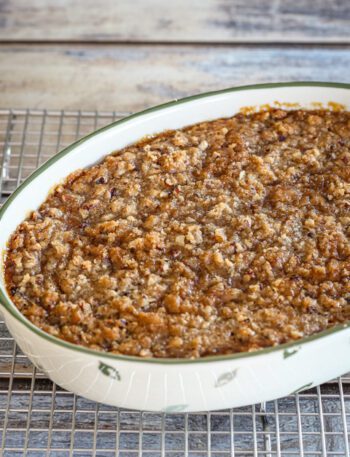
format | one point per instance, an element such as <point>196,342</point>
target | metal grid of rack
<point>38,418</point>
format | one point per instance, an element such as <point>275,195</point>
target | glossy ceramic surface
<point>169,384</point>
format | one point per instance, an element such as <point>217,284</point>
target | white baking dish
<point>173,384</point>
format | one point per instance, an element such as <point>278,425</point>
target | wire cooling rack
<point>37,418</point>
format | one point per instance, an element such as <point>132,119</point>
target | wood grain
<point>228,21</point>
<point>129,78</point>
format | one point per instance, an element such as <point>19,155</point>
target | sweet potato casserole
<point>229,235</point>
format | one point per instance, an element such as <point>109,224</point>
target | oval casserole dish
<point>173,385</point>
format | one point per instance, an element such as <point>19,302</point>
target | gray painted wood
<point>129,78</point>
<point>140,70</point>
<point>176,21</point>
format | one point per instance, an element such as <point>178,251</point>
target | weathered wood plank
<point>176,21</point>
<point>129,78</point>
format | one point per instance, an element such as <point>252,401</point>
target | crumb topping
<point>226,236</point>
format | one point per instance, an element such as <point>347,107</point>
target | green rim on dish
<point>16,313</point>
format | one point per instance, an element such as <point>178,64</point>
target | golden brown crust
<point>226,236</point>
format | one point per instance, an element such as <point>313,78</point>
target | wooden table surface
<point>126,55</point>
